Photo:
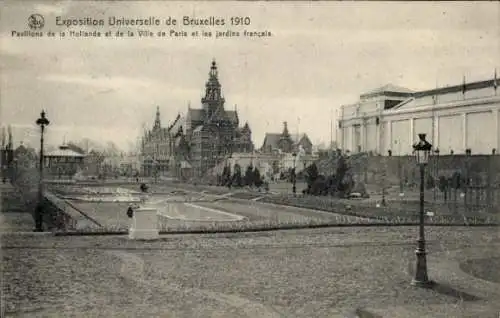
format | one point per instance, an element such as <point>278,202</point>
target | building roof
<point>232,115</point>
<point>64,151</point>
<point>272,140</point>
<point>388,89</point>
<point>177,124</point>
<point>198,115</point>
<point>246,128</point>
<point>449,94</point>
<point>296,139</point>
<point>195,114</point>
<point>459,88</point>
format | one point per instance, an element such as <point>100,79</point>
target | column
<point>342,136</point>
<point>352,147</point>
<point>388,137</point>
<point>378,137</point>
<point>412,134</point>
<point>435,139</point>
<point>496,119</point>
<point>362,132</point>
<point>464,132</point>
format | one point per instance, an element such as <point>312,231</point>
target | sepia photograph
<point>249,159</point>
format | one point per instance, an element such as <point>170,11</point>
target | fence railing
<point>461,181</point>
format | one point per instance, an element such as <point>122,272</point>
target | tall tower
<point>213,99</point>
<point>285,142</point>
<point>10,144</point>
<point>157,124</point>
<point>3,138</point>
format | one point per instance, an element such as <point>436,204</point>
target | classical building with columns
<point>454,118</point>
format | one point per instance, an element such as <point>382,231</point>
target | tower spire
<point>3,137</point>
<point>213,70</point>
<point>463,85</point>
<point>10,144</point>
<point>157,124</point>
<point>285,132</point>
<point>495,84</point>
<point>213,98</point>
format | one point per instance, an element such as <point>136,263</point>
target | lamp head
<point>422,150</point>
<point>42,121</point>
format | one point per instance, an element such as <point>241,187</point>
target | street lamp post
<point>14,171</point>
<point>422,150</point>
<point>42,122</point>
<point>204,167</point>
<point>436,174</point>
<point>294,177</point>
<point>155,171</point>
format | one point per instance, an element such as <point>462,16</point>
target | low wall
<point>69,217</point>
<point>57,214</point>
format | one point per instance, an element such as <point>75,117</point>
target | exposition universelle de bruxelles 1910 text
<point>171,27</point>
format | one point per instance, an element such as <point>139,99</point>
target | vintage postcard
<point>249,159</point>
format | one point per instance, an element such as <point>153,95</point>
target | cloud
<point>322,55</point>
<point>110,83</point>
<point>54,8</point>
<point>115,82</point>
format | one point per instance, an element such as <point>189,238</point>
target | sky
<point>321,55</point>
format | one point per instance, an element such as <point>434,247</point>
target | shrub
<point>249,176</point>
<point>311,174</point>
<point>226,176</point>
<point>237,179</point>
<point>257,180</point>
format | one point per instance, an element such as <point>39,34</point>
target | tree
<point>341,171</point>
<point>249,176</point>
<point>311,174</point>
<point>237,179</point>
<point>257,180</point>
<point>223,176</point>
<point>276,166</point>
<point>226,176</point>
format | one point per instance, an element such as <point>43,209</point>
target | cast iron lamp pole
<point>42,122</point>
<point>14,173</point>
<point>422,150</point>
<point>436,152</point>
<point>294,178</point>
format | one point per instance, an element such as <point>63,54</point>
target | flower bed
<point>102,198</point>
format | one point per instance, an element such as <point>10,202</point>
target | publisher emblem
<point>36,21</point>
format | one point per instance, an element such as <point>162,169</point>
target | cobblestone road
<point>300,273</point>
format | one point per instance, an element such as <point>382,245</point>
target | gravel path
<point>300,273</point>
